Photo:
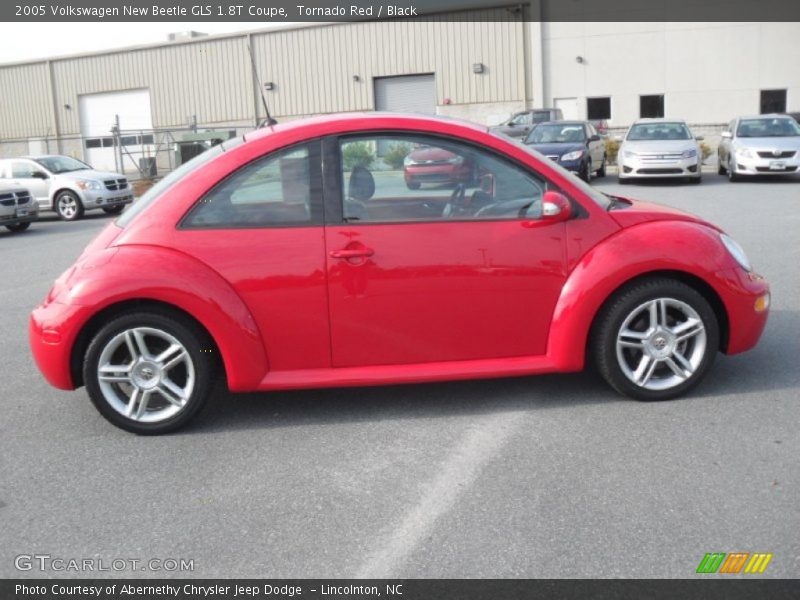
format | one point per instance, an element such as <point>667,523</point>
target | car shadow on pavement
<point>770,366</point>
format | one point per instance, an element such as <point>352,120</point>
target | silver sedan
<point>660,148</point>
<point>760,145</point>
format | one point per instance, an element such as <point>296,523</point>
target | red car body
<point>500,298</point>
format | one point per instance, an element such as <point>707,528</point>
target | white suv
<point>67,185</point>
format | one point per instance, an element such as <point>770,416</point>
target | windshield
<point>520,119</point>
<point>174,177</point>
<point>557,133</point>
<point>771,127</point>
<point>597,196</point>
<point>62,164</point>
<point>659,131</point>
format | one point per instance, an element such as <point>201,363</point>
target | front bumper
<point>638,168</point>
<point>18,214</point>
<point>743,295</point>
<point>765,166</point>
<point>104,198</point>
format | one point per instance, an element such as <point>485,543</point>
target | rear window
<point>174,177</point>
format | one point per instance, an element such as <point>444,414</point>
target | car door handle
<point>346,253</point>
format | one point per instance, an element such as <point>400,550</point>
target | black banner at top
<point>279,12</point>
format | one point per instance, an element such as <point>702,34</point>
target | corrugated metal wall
<point>312,69</point>
<point>25,104</point>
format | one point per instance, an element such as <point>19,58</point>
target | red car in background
<point>438,166</point>
<point>273,262</point>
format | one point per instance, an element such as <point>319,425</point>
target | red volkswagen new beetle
<point>284,262</point>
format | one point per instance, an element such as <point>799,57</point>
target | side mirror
<point>555,207</point>
<point>699,138</point>
<point>727,134</point>
<point>40,175</point>
<point>594,138</point>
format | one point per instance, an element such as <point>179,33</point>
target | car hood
<point>659,145</point>
<point>90,174</point>
<point>558,148</point>
<point>770,143</point>
<point>513,131</point>
<point>633,212</point>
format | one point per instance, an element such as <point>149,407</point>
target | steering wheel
<point>454,205</point>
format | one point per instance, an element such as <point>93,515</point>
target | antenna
<point>269,121</point>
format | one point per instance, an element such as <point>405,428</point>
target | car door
<point>443,272</point>
<point>34,178</point>
<point>260,228</point>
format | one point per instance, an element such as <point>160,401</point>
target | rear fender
<point>127,273</point>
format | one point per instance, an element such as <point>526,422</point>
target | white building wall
<point>708,72</point>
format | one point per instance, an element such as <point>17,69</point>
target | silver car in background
<point>660,148</point>
<point>67,185</point>
<point>17,207</point>
<point>760,145</point>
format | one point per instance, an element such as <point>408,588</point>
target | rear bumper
<point>52,332</point>
<point>740,292</point>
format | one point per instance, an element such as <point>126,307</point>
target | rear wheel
<point>17,227</point>
<point>655,339</point>
<point>149,372</point>
<point>69,206</point>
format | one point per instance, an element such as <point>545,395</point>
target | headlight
<point>87,184</point>
<point>737,252</point>
<point>575,155</point>
<point>745,153</point>
<point>689,153</point>
<point>629,154</point>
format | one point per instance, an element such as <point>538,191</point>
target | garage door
<point>409,93</point>
<point>98,114</point>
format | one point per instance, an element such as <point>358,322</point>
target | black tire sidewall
<point>195,342</point>
<point>18,227</point>
<point>620,306</point>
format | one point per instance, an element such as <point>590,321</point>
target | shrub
<point>612,148</point>
<point>357,154</point>
<point>396,154</point>
<point>706,150</point>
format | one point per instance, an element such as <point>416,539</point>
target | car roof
<point>565,122</point>
<point>766,116</point>
<point>658,120</point>
<point>365,120</point>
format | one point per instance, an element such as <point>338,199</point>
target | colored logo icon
<point>735,562</point>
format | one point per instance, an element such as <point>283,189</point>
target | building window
<point>773,101</point>
<point>651,106</point>
<point>598,108</point>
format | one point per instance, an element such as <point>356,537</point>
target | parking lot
<point>552,476</point>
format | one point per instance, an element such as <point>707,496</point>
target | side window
<point>21,169</point>
<point>280,189</point>
<point>418,178</point>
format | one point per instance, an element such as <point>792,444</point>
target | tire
<point>601,172</point>
<point>721,170</point>
<point>114,210</point>
<point>413,185</point>
<point>18,227</point>
<point>68,206</point>
<point>585,171</point>
<point>647,368</point>
<point>732,176</point>
<point>189,371</point>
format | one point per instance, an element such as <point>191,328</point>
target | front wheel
<point>17,227</point>
<point>655,339</point>
<point>149,372</point>
<point>69,206</point>
<point>585,171</point>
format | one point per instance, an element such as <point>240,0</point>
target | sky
<point>30,41</point>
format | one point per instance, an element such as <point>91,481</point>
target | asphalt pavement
<point>553,476</point>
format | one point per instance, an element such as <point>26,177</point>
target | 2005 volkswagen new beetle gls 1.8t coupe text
<point>297,257</point>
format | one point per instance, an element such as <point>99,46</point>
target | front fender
<point>682,246</point>
<point>125,273</point>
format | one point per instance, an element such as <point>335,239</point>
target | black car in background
<point>575,145</point>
